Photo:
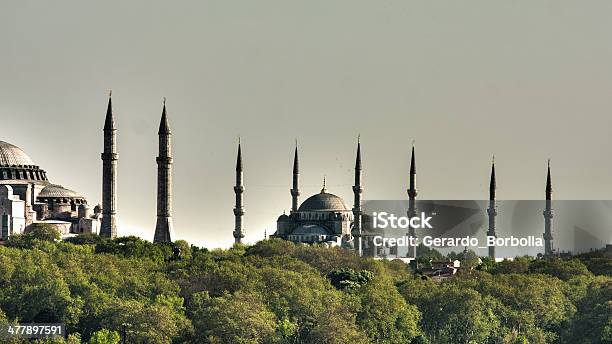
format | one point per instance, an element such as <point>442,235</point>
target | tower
<point>164,226</point>
<point>238,190</point>
<point>357,191</point>
<point>492,210</point>
<point>295,190</point>
<point>412,193</point>
<point>109,175</point>
<point>548,216</point>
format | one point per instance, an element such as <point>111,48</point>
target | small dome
<point>13,155</point>
<point>323,202</point>
<point>57,191</point>
<point>283,218</point>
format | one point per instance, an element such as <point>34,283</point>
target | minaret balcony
<point>109,156</point>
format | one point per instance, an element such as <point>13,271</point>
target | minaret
<point>109,175</point>
<point>238,190</point>
<point>295,190</point>
<point>357,190</point>
<point>492,210</point>
<point>412,193</point>
<point>164,227</point>
<point>548,215</point>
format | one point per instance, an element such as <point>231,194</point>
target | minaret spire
<point>238,190</point>
<point>295,190</point>
<point>548,216</point>
<point>109,174</point>
<point>357,191</point>
<point>548,184</point>
<point>492,182</point>
<point>239,158</point>
<point>412,194</point>
<point>109,122</point>
<point>492,210</point>
<point>164,226</point>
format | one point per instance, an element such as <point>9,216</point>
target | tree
<point>563,269</point>
<point>349,279</point>
<point>593,320</point>
<point>384,315</point>
<point>242,318</point>
<point>157,323</point>
<point>519,265</point>
<point>426,254</point>
<point>36,232</point>
<point>105,336</point>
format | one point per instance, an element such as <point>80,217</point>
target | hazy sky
<point>525,80</point>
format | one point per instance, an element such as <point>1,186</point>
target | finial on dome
<point>323,190</point>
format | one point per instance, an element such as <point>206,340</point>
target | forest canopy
<point>279,292</point>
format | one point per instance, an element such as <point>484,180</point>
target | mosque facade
<point>27,197</point>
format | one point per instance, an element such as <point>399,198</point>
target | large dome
<point>16,165</point>
<point>13,155</point>
<point>323,202</point>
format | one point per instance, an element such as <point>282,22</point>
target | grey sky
<point>526,80</point>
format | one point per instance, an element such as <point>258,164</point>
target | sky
<point>523,80</point>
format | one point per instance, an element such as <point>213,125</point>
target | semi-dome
<point>12,155</point>
<point>283,218</point>
<point>57,191</point>
<point>310,230</point>
<point>323,202</point>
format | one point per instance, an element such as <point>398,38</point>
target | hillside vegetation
<point>278,292</point>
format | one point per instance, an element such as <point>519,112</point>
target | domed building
<point>323,217</point>
<point>27,197</point>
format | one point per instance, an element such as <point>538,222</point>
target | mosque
<point>27,197</point>
<point>325,218</point>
